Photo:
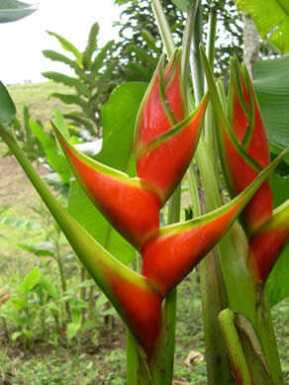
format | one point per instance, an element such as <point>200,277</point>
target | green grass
<point>37,98</point>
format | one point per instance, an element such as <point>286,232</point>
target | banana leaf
<point>271,18</point>
<point>12,10</point>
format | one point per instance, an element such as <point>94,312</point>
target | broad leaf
<point>272,87</point>
<point>118,118</point>
<point>271,18</point>
<point>12,10</point>
<point>277,285</point>
<point>118,132</point>
<point>31,280</point>
<point>7,107</point>
<point>183,4</point>
<point>55,158</point>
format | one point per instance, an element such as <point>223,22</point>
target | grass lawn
<point>37,98</point>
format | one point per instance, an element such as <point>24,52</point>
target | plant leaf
<point>119,122</point>
<point>183,4</point>
<point>277,286</point>
<point>68,46</point>
<point>271,18</point>
<point>272,88</point>
<point>7,106</point>
<point>12,10</point>
<point>54,157</point>
<point>58,57</point>
<point>91,46</point>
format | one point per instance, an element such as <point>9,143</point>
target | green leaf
<point>49,287</point>
<point>43,249</point>
<point>183,4</point>
<point>31,280</point>
<point>71,99</point>
<point>118,125</point>
<point>7,106</point>
<point>277,285</point>
<point>91,46</point>
<point>58,57</point>
<point>271,18</point>
<point>72,329</point>
<point>98,61</point>
<point>272,88</point>
<point>12,10</point>
<point>68,46</point>
<point>280,187</point>
<point>54,157</point>
<point>61,78</point>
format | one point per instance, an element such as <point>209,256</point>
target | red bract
<point>171,256</point>
<point>245,150</point>
<point>128,204</point>
<point>268,242</point>
<point>162,163</point>
<point>141,305</point>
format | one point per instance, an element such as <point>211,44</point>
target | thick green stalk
<point>243,296</point>
<point>164,27</point>
<point>212,291</point>
<point>235,348</point>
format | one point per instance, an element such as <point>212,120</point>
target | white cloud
<point>22,41</point>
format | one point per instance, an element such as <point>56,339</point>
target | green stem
<point>211,39</point>
<point>187,42</point>
<point>234,347</point>
<point>196,64</point>
<point>164,27</point>
<point>212,290</point>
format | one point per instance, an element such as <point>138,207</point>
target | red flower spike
<point>127,203</point>
<point>259,210</point>
<point>267,243</point>
<point>162,163</point>
<point>162,109</point>
<point>244,147</point>
<point>250,131</point>
<point>156,115</point>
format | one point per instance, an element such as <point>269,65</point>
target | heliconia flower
<point>126,202</point>
<point>245,152</point>
<point>168,258</point>
<point>162,163</point>
<point>267,243</point>
<point>248,128</point>
<point>243,143</point>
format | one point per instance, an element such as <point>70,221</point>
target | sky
<point>22,41</point>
